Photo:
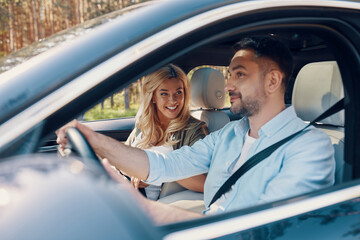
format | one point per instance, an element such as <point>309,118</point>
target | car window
<point>124,103</point>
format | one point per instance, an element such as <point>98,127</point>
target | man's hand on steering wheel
<point>69,136</point>
<point>61,133</point>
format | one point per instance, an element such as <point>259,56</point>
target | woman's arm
<point>195,183</point>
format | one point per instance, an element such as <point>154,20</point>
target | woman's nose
<point>173,98</point>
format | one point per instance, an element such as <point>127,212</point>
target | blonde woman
<point>163,122</point>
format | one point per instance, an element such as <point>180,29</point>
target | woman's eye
<point>179,92</point>
<point>163,94</point>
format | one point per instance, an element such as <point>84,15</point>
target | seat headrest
<point>207,88</point>
<point>317,87</point>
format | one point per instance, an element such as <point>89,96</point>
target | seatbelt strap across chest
<point>254,160</point>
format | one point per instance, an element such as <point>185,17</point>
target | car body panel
<point>45,200</point>
<point>333,210</point>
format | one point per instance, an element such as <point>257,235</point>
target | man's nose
<point>229,86</point>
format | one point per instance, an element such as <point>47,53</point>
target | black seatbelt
<point>269,150</point>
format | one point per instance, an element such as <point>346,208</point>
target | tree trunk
<point>19,40</point>
<point>77,12</point>
<point>139,89</point>
<point>112,101</point>
<point>51,16</point>
<point>42,18</point>
<point>126,99</point>
<point>36,30</point>
<point>68,15</point>
<point>81,9</point>
<point>11,27</point>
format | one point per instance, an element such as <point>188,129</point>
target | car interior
<point>317,87</point>
<point>316,84</point>
<point>309,100</point>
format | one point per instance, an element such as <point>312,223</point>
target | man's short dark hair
<point>272,48</point>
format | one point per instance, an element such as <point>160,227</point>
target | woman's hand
<point>137,183</point>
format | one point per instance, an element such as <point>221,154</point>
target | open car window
<point>126,102</point>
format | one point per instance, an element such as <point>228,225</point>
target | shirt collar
<point>271,126</point>
<point>277,123</point>
<point>242,127</point>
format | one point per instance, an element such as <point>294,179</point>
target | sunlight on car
<point>76,167</point>
<point>5,197</point>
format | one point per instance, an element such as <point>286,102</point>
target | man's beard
<point>247,107</point>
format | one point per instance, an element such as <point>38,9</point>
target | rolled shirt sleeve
<point>181,163</point>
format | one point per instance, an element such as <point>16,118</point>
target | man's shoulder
<point>317,133</point>
<point>313,138</point>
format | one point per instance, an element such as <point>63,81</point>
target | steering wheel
<point>81,146</point>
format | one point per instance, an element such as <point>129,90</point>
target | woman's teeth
<point>172,108</point>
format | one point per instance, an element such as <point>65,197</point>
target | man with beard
<point>258,75</point>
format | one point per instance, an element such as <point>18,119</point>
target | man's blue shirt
<point>303,164</point>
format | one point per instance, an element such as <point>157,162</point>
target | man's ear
<point>273,81</point>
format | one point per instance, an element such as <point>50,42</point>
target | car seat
<point>207,95</point>
<point>317,87</point>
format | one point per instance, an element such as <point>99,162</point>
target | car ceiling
<point>219,53</point>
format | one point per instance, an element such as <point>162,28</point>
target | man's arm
<point>182,163</point>
<point>131,160</point>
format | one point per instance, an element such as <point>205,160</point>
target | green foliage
<point>97,113</point>
<point>117,110</point>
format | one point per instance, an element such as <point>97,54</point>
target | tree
<point>126,98</point>
<point>23,22</point>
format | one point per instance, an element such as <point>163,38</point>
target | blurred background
<point>25,24</point>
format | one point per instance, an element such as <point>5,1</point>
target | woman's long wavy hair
<point>147,119</point>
